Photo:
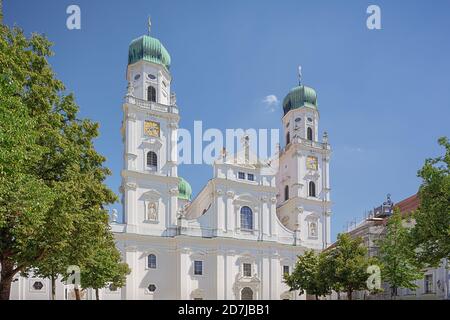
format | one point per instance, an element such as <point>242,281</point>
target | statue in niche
<point>152,211</point>
<point>313,229</point>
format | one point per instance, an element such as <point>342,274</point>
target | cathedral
<point>244,229</point>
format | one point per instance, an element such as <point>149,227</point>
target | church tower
<point>303,178</point>
<point>149,178</point>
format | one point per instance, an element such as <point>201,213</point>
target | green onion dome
<point>301,96</point>
<point>184,190</point>
<point>148,49</point>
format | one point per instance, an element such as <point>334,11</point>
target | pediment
<point>151,195</point>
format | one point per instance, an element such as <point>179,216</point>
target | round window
<point>310,120</point>
<point>152,77</point>
<point>136,77</point>
<point>298,119</point>
<point>38,285</point>
<point>112,287</point>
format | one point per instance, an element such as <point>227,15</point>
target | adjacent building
<point>434,285</point>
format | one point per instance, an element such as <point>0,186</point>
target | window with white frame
<point>38,285</point>
<point>312,189</point>
<point>198,267</point>
<point>250,177</point>
<point>285,270</point>
<point>241,175</point>
<point>151,94</point>
<point>428,283</point>
<point>247,269</point>
<point>151,261</point>
<point>152,160</point>
<point>246,218</point>
<point>151,288</point>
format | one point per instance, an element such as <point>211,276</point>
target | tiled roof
<point>408,205</point>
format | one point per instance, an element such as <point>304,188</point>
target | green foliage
<point>104,267</point>
<point>52,191</point>
<point>397,257</point>
<point>349,260</point>
<point>310,275</point>
<point>431,233</point>
<point>340,268</point>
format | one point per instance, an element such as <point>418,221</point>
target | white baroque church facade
<point>245,228</point>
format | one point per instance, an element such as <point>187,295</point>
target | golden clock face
<point>151,129</point>
<point>311,163</point>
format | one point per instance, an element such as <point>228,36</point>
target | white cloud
<point>271,102</point>
<point>353,149</point>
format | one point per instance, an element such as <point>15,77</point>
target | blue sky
<point>383,95</point>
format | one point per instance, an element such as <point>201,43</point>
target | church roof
<point>408,205</point>
<point>148,49</point>
<point>300,96</point>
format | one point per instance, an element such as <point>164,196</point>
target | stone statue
<point>152,211</point>
<point>130,89</point>
<point>300,75</point>
<point>325,137</point>
<point>313,229</point>
<point>114,215</point>
<point>173,99</point>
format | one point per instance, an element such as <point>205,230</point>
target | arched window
<point>309,134</point>
<point>288,138</point>
<point>152,160</point>
<point>312,189</point>
<point>286,193</point>
<point>151,94</point>
<point>246,218</point>
<point>247,294</point>
<point>151,261</point>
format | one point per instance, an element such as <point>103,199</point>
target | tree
<point>310,275</point>
<point>431,232</point>
<point>52,189</point>
<point>349,261</point>
<point>396,256</point>
<point>104,268</point>
<point>24,198</point>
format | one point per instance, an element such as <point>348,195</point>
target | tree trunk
<point>317,297</point>
<point>97,297</point>
<point>77,292</point>
<point>394,293</point>
<point>53,287</point>
<point>6,277</point>
<point>349,294</point>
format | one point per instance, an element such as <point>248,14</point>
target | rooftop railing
<point>151,105</point>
